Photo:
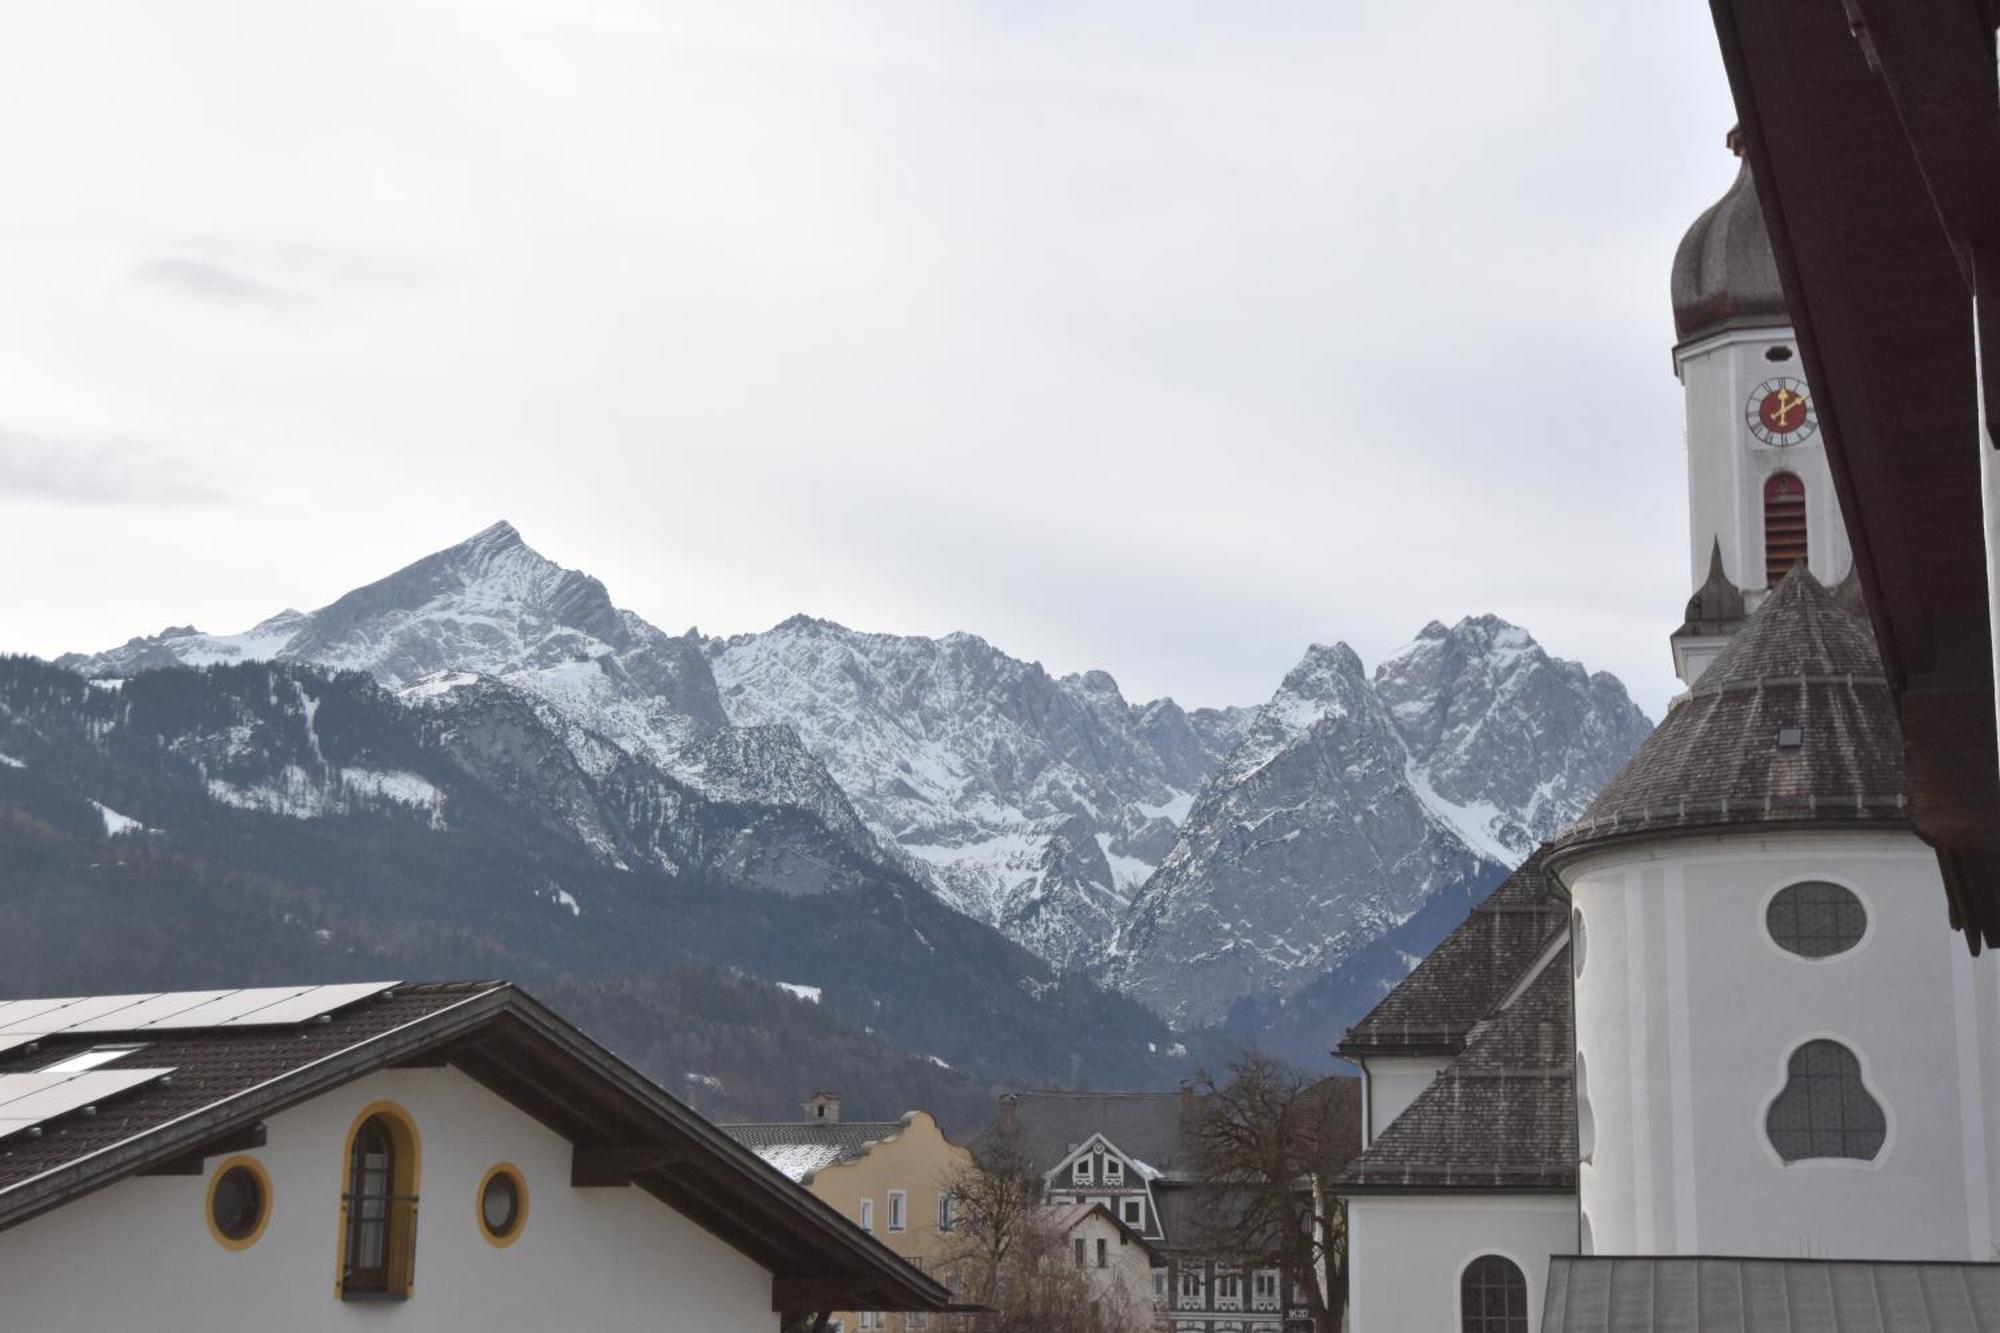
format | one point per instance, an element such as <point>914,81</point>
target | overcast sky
<point>1158,337</point>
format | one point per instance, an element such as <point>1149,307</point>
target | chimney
<point>824,1106</point>
<point>1010,1114</point>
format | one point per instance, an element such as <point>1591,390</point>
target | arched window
<point>1784,525</point>
<point>1493,1296</point>
<point>1825,1110</point>
<point>379,1206</point>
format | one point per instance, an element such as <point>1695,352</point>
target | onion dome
<point>1791,725</point>
<point>1725,276</point>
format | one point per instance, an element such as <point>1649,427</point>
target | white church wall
<point>1406,1254</point>
<point>1687,1013</point>
<point>1727,466</point>
<point>139,1254</point>
<point>1389,1083</point>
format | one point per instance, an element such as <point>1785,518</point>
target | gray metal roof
<point>1149,1127</point>
<point>1802,670</point>
<point>1641,1294</point>
<point>1725,275</point>
<point>1459,982</point>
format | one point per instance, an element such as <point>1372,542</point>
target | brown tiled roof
<point>1792,724</point>
<point>1500,1117</point>
<point>225,1081</point>
<point>1434,1007</point>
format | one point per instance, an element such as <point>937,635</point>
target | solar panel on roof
<point>232,1004</point>
<point>73,1093</point>
<point>77,1011</point>
<point>153,1011</point>
<point>319,1000</point>
<point>13,1011</point>
<point>157,1009</point>
<point>13,1087</point>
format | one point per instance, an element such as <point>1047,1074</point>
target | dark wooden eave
<point>1873,131</point>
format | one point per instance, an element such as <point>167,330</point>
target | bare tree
<point>1002,1254</point>
<point>1267,1139</point>
<point>993,1199</point>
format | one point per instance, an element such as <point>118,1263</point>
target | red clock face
<point>1781,412</point>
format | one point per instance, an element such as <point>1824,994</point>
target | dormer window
<point>1114,1171</point>
<point>1079,1172</point>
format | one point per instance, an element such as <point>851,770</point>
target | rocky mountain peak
<point>1356,800</point>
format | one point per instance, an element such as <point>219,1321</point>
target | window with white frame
<point>899,1210</point>
<point>947,1210</point>
<point>1160,1286</point>
<point>867,1215</point>
<point>1079,1171</point>
<point>1228,1289</point>
<point>1190,1289</point>
<point>1114,1170</point>
<point>1132,1211</point>
<point>1264,1289</point>
<point>1059,1200</point>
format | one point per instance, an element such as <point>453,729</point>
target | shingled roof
<point>1459,982</point>
<point>1500,1117</point>
<point>1791,725</point>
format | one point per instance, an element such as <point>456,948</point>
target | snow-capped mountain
<point>1036,803</point>
<point>1189,856</point>
<point>1033,803</point>
<point>1352,803</point>
<point>493,607</point>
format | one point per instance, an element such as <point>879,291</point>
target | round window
<point>503,1205</point>
<point>1816,919</point>
<point>239,1203</point>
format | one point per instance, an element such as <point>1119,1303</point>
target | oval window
<point>1816,919</point>
<point>503,1204</point>
<point>239,1203</point>
<point>1576,940</point>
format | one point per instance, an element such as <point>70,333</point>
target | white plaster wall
<point>1391,1082</point>
<point>1687,1012</point>
<point>1727,466</point>
<point>1406,1254</point>
<point>138,1254</point>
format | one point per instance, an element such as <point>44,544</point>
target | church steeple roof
<point>1792,724</point>
<point>1725,275</point>
<point>1717,605</point>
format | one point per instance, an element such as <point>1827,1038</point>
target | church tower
<point>1760,496</point>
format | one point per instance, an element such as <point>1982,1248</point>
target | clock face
<point>1780,412</point>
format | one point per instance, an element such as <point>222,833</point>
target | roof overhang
<point>1348,1190</point>
<point>625,1130</point>
<point>1873,131</point>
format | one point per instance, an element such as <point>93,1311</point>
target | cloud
<point>98,472</point>
<point>212,283</point>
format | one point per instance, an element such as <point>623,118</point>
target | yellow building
<point>890,1177</point>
